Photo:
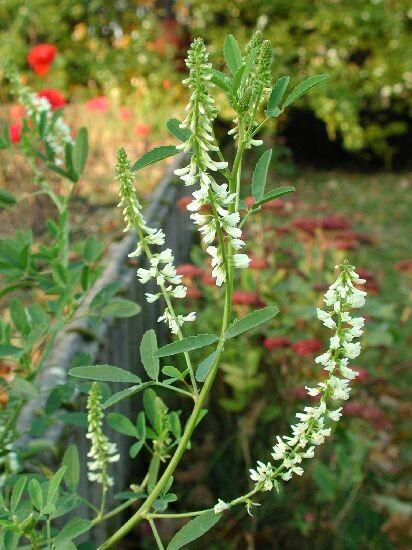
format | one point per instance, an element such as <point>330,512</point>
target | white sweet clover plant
<point>218,212</point>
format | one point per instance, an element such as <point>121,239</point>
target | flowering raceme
<point>212,203</point>
<point>161,268</point>
<point>313,424</point>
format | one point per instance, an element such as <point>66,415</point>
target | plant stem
<point>156,535</point>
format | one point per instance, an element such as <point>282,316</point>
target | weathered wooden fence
<point>117,341</point>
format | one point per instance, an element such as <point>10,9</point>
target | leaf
<point>24,388</point>
<point>232,53</point>
<point>172,372</point>
<point>120,307</point>
<point>120,395</point>
<point>72,473</point>
<point>105,373</point>
<point>182,134</point>
<point>203,369</point>
<point>278,192</point>
<point>8,350</point>
<point>19,316</point>
<point>74,419</point>
<point>148,348</point>
<point>194,529</point>
<point>54,484</point>
<point>187,344</point>
<point>136,448</point>
<point>92,249</point>
<point>304,87</point>
<point>6,199</point>
<point>260,175</point>
<point>73,529</point>
<point>237,79</point>
<point>252,320</point>
<point>141,425</point>
<point>276,95</point>
<point>156,154</point>
<point>121,424</point>
<point>36,494</point>
<point>220,80</point>
<point>17,493</point>
<point>80,151</point>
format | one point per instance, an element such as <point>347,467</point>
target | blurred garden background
<point>116,68</point>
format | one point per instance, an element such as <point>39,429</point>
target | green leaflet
<point>187,344</point>
<point>260,175</point>
<point>304,87</point>
<point>156,154</point>
<point>182,134</point>
<point>232,53</point>
<point>148,349</point>
<point>276,95</point>
<point>104,373</point>
<point>194,529</point>
<point>252,320</point>
<point>278,192</point>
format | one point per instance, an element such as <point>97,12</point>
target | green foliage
<point>364,47</point>
<point>196,528</point>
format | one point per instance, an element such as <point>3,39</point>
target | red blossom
<point>125,113</point>
<point>277,342</point>
<point>334,223</point>
<point>246,298</point>
<point>183,202</point>
<point>208,280</point>
<point>404,266</point>
<point>258,263</point>
<point>275,204</point>
<point>249,201</point>
<point>306,224</point>
<point>194,293</point>
<point>362,374</point>
<point>54,97</point>
<point>372,414</point>
<point>99,103</point>
<point>307,346</point>
<point>17,112</point>
<point>15,131</point>
<point>142,130</point>
<point>166,84</point>
<point>41,57</point>
<point>189,270</point>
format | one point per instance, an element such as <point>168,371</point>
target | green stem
<point>181,448</point>
<point>156,535</point>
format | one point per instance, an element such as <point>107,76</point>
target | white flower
<point>311,426</point>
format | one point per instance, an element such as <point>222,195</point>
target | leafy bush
<point>364,46</point>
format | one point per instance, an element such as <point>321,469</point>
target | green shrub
<point>363,45</point>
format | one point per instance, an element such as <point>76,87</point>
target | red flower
<point>249,201</point>
<point>277,342</point>
<point>98,103</point>
<point>189,270</point>
<point>307,347</point>
<point>142,130</point>
<point>246,298</point>
<point>208,280</point>
<point>183,202</point>
<point>166,84</point>
<point>54,97</point>
<point>194,293</point>
<point>258,263</point>
<point>275,204</point>
<point>40,58</point>
<point>334,223</point>
<point>306,225</point>
<point>125,113</point>
<point>15,131</point>
<point>17,112</point>
<point>405,266</point>
<point>362,374</point>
